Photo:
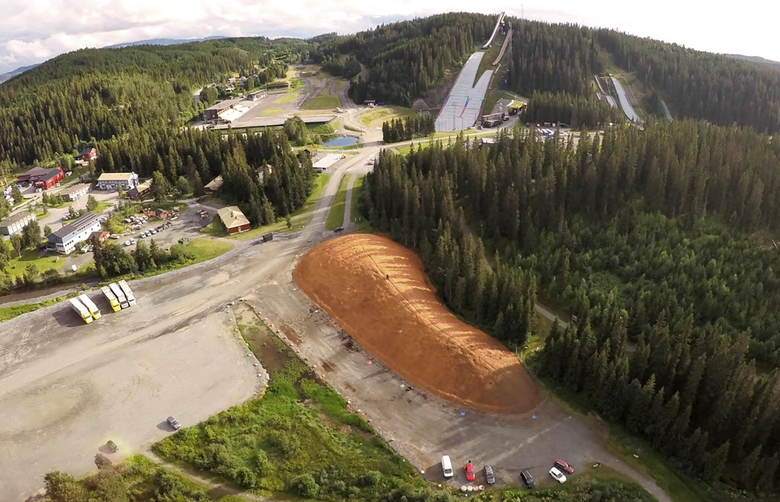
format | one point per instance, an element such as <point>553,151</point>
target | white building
<point>112,181</point>
<point>16,223</point>
<point>65,239</point>
<point>75,192</point>
<point>326,162</point>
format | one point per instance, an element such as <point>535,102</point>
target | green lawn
<point>492,98</point>
<point>272,111</point>
<point>7,313</point>
<point>298,431</point>
<point>336,213</point>
<point>360,223</point>
<point>102,206</point>
<point>324,101</point>
<point>385,113</point>
<point>41,261</point>
<point>490,54</point>
<point>286,98</point>
<point>299,218</point>
<point>206,249</point>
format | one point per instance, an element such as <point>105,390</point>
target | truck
<point>93,310</point>
<point>111,297</point>
<point>268,237</point>
<point>127,291</point>
<point>119,295</point>
<point>81,310</point>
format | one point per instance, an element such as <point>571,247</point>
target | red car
<point>469,470</point>
<point>560,464</point>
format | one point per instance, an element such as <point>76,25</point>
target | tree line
<point>573,110</point>
<point>641,233</point>
<point>406,128</point>
<point>412,198</point>
<point>97,94</point>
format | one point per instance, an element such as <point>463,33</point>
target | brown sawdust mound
<point>378,292</point>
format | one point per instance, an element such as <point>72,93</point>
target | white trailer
<point>111,297</point>
<point>81,310</point>
<point>93,310</point>
<point>119,295</point>
<point>127,291</point>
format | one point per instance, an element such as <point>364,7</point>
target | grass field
<point>299,218</point>
<point>360,223</point>
<point>323,101</point>
<point>272,111</point>
<point>41,262</point>
<point>492,98</point>
<point>7,313</point>
<point>490,54</point>
<point>206,249</point>
<point>298,437</point>
<point>336,213</point>
<point>286,98</point>
<point>384,113</point>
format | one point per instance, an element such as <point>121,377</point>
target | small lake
<point>341,141</point>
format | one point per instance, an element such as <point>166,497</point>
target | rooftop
<point>214,184</point>
<point>17,217</point>
<point>76,188</point>
<point>224,104</point>
<point>80,222</point>
<point>115,176</point>
<point>232,217</point>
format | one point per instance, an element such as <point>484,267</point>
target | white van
<point>446,466</point>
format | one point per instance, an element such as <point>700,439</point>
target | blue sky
<point>34,31</point>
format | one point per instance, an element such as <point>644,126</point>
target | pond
<point>341,141</point>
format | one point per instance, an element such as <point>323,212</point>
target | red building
<point>41,177</point>
<point>87,154</point>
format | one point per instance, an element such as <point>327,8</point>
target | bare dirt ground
<point>67,389</point>
<point>377,290</point>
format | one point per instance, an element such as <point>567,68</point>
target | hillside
<point>97,94</point>
<point>755,59</point>
<point>11,74</point>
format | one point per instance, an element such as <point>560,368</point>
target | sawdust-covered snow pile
<point>378,292</point>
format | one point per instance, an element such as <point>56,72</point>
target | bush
<point>371,478</point>
<point>305,486</point>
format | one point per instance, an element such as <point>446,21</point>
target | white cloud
<point>35,30</point>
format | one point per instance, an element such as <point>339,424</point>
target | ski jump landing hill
<point>461,110</point>
<point>463,105</point>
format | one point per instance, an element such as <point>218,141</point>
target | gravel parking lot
<point>66,388</point>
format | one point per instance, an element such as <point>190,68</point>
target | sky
<point>36,30</point>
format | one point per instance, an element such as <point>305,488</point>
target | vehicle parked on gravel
<point>174,423</point>
<point>563,466</point>
<point>446,466</point>
<point>528,479</point>
<point>557,475</point>
<point>469,470</point>
<point>338,229</point>
<point>490,478</point>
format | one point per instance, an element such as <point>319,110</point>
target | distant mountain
<point>18,71</point>
<point>162,41</point>
<point>755,59</point>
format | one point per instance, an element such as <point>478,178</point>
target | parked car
<point>127,243</point>
<point>489,476</point>
<point>557,475</point>
<point>115,236</point>
<point>528,479</point>
<point>174,423</point>
<point>338,229</point>
<point>469,470</point>
<point>112,447</point>
<point>133,241</point>
<point>446,466</point>
<point>564,467</point>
